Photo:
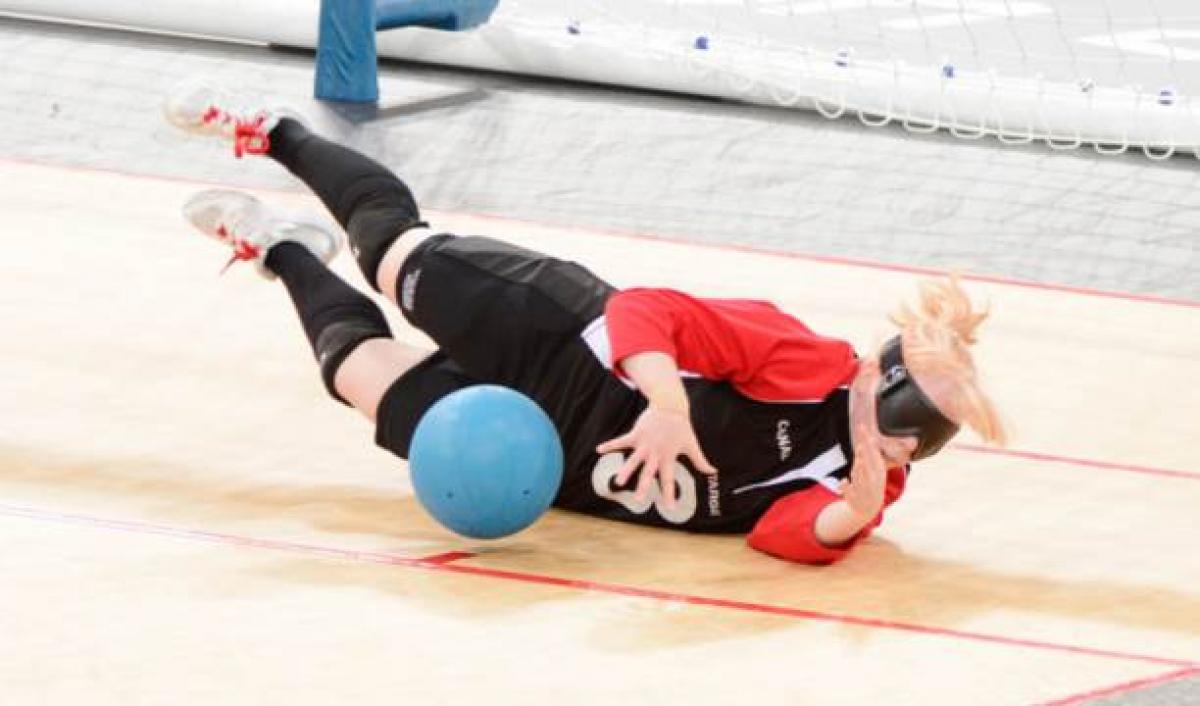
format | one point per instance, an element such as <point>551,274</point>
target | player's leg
<point>391,383</point>
<point>501,311</point>
<point>348,333</point>
<point>526,301</point>
<point>358,358</point>
<point>370,202</point>
<point>375,207</point>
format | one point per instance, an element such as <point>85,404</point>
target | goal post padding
<point>346,55</point>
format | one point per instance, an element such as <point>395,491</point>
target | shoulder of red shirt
<point>765,353</point>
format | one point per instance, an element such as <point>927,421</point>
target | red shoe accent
<point>241,249</point>
<point>213,114</point>
<point>248,134</point>
<point>245,251</point>
<point>249,138</point>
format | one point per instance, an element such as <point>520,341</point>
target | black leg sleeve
<point>372,204</point>
<point>336,317</point>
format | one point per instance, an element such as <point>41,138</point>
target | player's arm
<point>654,332</point>
<point>646,327</point>
<point>819,526</point>
<point>864,492</point>
<point>663,432</point>
<point>788,529</point>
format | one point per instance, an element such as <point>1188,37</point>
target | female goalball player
<point>651,390</point>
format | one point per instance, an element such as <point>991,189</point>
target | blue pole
<point>346,57</point>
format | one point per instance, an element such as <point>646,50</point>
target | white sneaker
<point>243,223</point>
<point>202,110</point>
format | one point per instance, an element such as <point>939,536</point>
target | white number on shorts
<point>685,504</point>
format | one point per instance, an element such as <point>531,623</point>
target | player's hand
<point>864,491</point>
<point>659,437</point>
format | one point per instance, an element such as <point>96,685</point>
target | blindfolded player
<point>652,390</point>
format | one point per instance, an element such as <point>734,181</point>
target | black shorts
<point>504,315</point>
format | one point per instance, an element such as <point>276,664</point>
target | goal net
<point>1113,74</point>
<point>1116,75</point>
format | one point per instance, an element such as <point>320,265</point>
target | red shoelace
<point>241,249</point>
<point>248,134</point>
<point>249,137</point>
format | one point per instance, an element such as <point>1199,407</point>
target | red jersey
<point>789,387</point>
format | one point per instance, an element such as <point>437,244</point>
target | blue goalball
<point>486,461</point>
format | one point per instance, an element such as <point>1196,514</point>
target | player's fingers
<point>871,469</point>
<point>869,446</point>
<point>647,478</point>
<point>860,438</point>
<point>699,460</point>
<point>624,441</point>
<point>865,403</point>
<point>666,482</point>
<point>868,436</point>
<point>874,449</point>
<point>870,411</point>
<point>631,464</point>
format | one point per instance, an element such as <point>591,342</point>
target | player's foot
<point>202,110</point>
<point>248,227</point>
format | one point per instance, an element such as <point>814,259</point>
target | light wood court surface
<point>185,518</point>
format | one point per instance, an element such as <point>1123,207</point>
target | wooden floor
<point>185,518</point>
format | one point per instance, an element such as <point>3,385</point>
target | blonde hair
<point>937,334</point>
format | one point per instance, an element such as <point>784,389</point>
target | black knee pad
<point>383,210</point>
<point>338,340</point>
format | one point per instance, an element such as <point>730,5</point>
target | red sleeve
<point>786,529</point>
<point>766,354</point>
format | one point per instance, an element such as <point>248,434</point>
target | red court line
<point>1125,687</point>
<point>728,247</point>
<point>445,558</point>
<point>443,562</point>
<point>1088,463</point>
<point>785,611</point>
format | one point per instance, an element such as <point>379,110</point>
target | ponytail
<point>937,335</point>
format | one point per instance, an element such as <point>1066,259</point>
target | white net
<point>1113,74</point>
<point>1117,75</point>
<point>685,168</point>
